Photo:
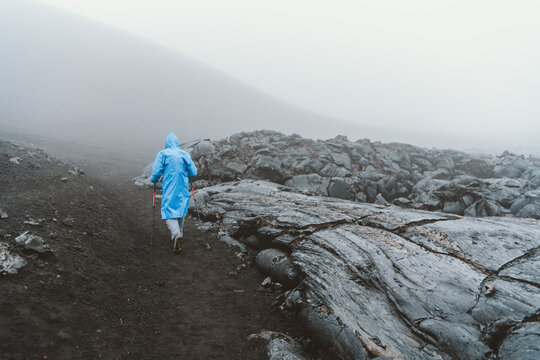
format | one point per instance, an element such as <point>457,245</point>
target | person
<point>177,167</point>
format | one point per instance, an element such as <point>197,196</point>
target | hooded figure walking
<point>177,167</point>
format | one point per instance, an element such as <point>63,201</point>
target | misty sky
<point>467,68</point>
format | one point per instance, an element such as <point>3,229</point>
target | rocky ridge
<point>364,171</point>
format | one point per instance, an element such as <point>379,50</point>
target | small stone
<point>3,214</point>
<point>64,179</point>
<point>31,221</point>
<point>31,242</point>
<point>75,171</point>
<point>64,335</point>
<point>490,289</point>
<point>207,246</point>
<point>267,282</point>
<point>68,221</point>
<point>15,160</point>
<point>241,267</point>
<point>380,200</point>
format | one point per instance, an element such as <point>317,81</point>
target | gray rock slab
<point>486,242</point>
<point>523,343</point>
<point>386,281</point>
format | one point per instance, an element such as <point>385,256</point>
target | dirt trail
<point>103,291</point>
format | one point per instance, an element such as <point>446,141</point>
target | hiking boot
<point>176,244</point>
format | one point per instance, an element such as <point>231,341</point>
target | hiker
<point>176,166</point>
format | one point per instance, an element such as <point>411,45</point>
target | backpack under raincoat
<point>176,166</point>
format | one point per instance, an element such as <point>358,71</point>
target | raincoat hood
<point>171,141</point>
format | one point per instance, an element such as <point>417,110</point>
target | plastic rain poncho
<point>176,166</point>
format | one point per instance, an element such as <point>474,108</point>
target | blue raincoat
<point>176,166</point>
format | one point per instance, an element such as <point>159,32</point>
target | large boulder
<point>313,183</point>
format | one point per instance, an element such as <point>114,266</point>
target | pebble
<point>64,335</point>
<point>15,160</point>
<point>68,221</point>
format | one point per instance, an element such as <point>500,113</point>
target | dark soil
<point>103,291</point>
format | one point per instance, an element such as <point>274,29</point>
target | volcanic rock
<point>386,281</point>
<point>9,263</point>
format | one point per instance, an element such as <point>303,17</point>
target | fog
<point>75,79</point>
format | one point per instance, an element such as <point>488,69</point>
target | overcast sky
<point>465,68</point>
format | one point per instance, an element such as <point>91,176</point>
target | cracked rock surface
<point>386,281</point>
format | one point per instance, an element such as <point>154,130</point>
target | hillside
<point>69,78</point>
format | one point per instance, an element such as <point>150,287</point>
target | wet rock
<point>333,170</point>
<point>371,191</point>
<point>9,263</point>
<point>380,200</point>
<point>330,332</point>
<point>340,189</point>
<point>454,207</point>
<point>311,182</point>
<point>284,349</point>
<point>394,282</point>
<point>280,346</point>
<point>202,148</point>
<point>230,241</point>
<point>477,168</point>
<point>520,204</point>
<point>522,343</point>
<point>530,211</point>
<point>31,242</point>
<point>342,159</point>
<point>361,197</point>
<point>268,168</point>
<point>277,264</point>
<point>236,167</point>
